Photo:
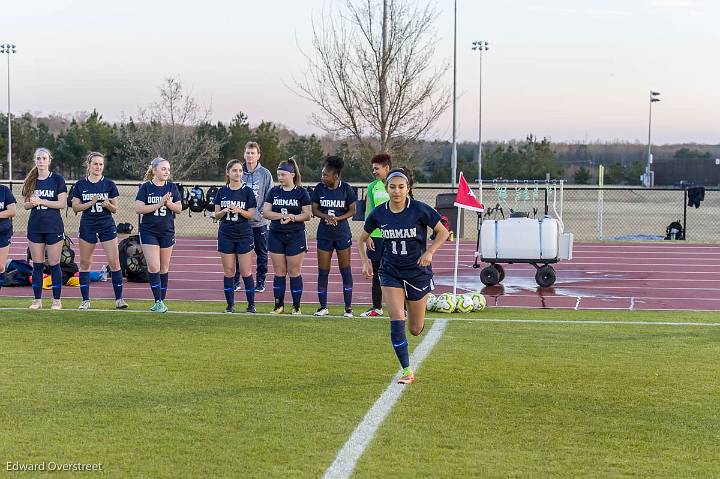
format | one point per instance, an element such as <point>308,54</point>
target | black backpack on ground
<point>184,197</point>
<point>132,260</point>
<point>674,231</point>
<point>196,199</point>
<point>210,198</point>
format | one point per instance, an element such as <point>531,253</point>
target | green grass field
<point>215,395</point>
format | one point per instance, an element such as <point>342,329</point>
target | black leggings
<point>376,290</point>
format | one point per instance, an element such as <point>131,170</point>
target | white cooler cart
<point>539,242</point>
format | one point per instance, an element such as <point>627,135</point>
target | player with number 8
<point>155,197</point>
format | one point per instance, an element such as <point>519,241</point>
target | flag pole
<point>457,251</point>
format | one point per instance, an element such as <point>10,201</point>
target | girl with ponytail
<point>45,193</point>
<point>288,207</point>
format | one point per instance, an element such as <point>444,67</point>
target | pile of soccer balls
<point>456,303</point>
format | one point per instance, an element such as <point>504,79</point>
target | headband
<point>286,167</point>
<point>399,174</point>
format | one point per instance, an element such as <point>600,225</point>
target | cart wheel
<point>545,276</point>
<point>501,272</point>
<point>490,276</point>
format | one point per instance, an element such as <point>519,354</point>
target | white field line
<point>362,436</point>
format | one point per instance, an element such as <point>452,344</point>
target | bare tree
<point>170,128</point>
<point>371,71</point>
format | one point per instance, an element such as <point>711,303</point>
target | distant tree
<point>633,172</point>
<point>687,153</point>
<point>582,176</point>
<point>615,174</point>
<point>308,152</point>
<point>169,128</point>
<point>239,134</point>
<point>529,160</point>
<point>266,135</point>
<point>371,72</point>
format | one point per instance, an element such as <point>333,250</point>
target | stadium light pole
<point>649,180</point>
<point>7,49</point>
<point>453,158</point>
<point>480,47</point>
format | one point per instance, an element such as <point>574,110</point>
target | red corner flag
<point>465,198</point>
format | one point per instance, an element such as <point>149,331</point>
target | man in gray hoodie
<point>260,180</point>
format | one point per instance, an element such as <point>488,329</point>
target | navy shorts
<point>236,246</point>
<point>377,254</point>
<point>47,238</point>
<point>289,244</point>
<point>5,240</point>
<point>164,241</point>
<point>91,235</point>
<point>415,289</point>
<point>337,245</point>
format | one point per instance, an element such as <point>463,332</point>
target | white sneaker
<point>85,305</point>
<point>104,273</point>
<point>348,313</point>
<point>36,304</point>
<point>57,304</point>
<point>322,312</point>
<point>372,313</point>
<point>120,304</point>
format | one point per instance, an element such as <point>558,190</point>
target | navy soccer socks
<point>347,280</point>
<point>399,342</point>
<point>84,277</point>
<point>296,288</point>
<point>323,276</point>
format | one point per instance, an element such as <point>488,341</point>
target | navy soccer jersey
<point>404,236</point>
<point>161,221</point>
<point>233,225</point>
<point>42,218</point>
<point>96,217</point>
<point>288,203</point>
<point>6,199</point>
<point>334,203</point>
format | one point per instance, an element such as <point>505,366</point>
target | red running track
<point>631,276</point>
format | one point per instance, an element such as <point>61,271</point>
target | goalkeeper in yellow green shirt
<point>376,195</point>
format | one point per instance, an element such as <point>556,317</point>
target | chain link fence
<point>626,213</point>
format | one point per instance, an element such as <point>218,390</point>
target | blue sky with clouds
<point>569,70</point>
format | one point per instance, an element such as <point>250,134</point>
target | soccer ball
<point>446,303</point>
<point>431,302</point>
<point>133,264</point>
<point>464,303</point>
<point>478,300</point>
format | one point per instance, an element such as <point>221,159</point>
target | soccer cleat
<point>56,304</point>
<point>160,307</point>
<point>120,304</point>
<point>104,273</point>
<point>260,287</point>
<point>251,310</point>
<point>239,287</point>
<point>36,304</point>
<point>407,376</point>
<point>85,305</point>
<point>372,313</point>
<point>348,313</point>
<point>321,312</point>
<point>279,309</point>
<point>230,308</point>
<point>296,311</point>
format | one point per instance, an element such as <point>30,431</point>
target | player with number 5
<point>158,200</point>
<point>405,271</point>
<point>97,197</point>
<point>235,205</point>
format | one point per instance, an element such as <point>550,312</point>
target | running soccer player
<point>288,207</point>
<point>405,271</point>
<point>157,200</point>
<point>234,207</point>
<point>7,211</point>
<point>45,193</point>
<point>334,203</point>
<point>376,195</point>
<point>97,198</point>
